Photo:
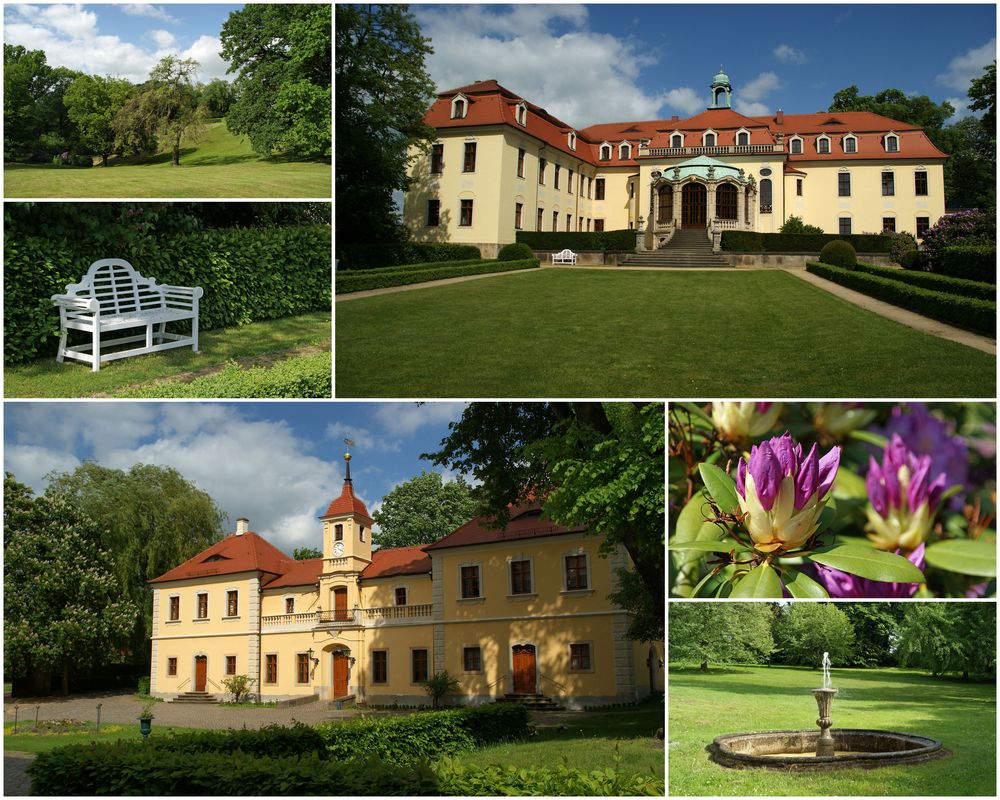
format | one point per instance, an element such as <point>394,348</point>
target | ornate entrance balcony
<point>353,618</point>
<point>721,150</point>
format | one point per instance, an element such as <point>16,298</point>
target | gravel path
<point>15,780</point>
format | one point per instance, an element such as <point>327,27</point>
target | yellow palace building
<point>501,164</point>
<point>523,611</point>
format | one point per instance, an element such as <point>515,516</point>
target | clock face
<point>338,549</point>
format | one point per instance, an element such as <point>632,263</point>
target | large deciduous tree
<point>63,606</point>
<point>876,631</point>
<point>594,464</point>
<point>92,103</point>
<point>804,631</point>
<point>34,116</point>
<point>283,58</point>
<point>949,638</point>
<point>151,519</point>
<point>727,633</point>
<point>303,553</point>
<point>383,92</point>
<point>422,510</point>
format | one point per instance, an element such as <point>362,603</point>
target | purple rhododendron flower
<point>782,493</point>
<point>904,497</point>
<point>843,584</point>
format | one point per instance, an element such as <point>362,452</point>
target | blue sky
<point>277,463</point>
<point>124,40</point>
<point>616,62</point>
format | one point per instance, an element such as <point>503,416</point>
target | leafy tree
<point>593,464</point>
<point>92,103</point>
<point>896,104</point>
<point>383,91</point>
<point>239,686</point>
<point>795,225</point>
<point>151,519</point>
<point>949,637</point>
<point>440,685</point>
<point>302,553</point>
<point>165,109</point>
<point>983,94</point>
<point>283,56</point>
<point>804,631</point>
<point>731,633</point>
<point>422,510</point>
<point>217,97</point>
<point>876,630</point>
<point>35,120</point>
<point>63,608</point>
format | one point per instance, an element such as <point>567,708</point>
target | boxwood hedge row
<point>621,240</point>
<point>248,275</point>
<point>930,280</point>
<point>976,262</point>
<point>751,242</point>
<point>419,273</point>
<point>372,256</point>
<point>965,312</point>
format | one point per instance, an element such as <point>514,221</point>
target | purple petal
<point>766,471</point>
<point>935,490</point>
<point>741,471</point>
<point>916,492</point>
<point>828,466</point>
<point>897,454</point>
<point>875,484</point>
<point>762,408</point>
<point>807,480</point>
<point>784,449</point>
<point>890,476</point>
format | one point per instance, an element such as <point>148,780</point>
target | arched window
<point>823,144</point>
<point>677,140</point>
<point>709,139</point>
<point>892,143</point>
<point>459,106</point>
<point>665,204</point>
<point>572,141</point>
<point>743,138</point>
<point>765,196</point>
<point>850,144</point>
<point>726,198</point>
<point>795,146</point>
<point>522,114</point>
<point>624,151</point>
<point>605,152</point>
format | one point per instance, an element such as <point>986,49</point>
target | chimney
<point>675,118</point>
<point>780,117</point>
<point>242,526</point>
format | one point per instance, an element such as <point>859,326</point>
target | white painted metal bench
<point>113,297</point>
<point>564,257</point>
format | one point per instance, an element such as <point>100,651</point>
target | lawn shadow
<point>220,161</point>
<point>711,671</point>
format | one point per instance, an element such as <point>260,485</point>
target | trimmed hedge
<point>365,279</point>
<point>976,262</point>
<point>371,256</point>
<point>964,312</point>
<point>928,280</point>
<point>751,242</point>
<point>249,275</point>
<point>515,251</point>
<point>839,254</point>
<point>562,781</point>
<point>621,240</point>
<point>428,735</point>
<point>133,769</point>
<point>411,267</point>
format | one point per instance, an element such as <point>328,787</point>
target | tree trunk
<point>104,159</point>
<point>175,161</point>
<point>704,666</point>
<point>65,678</point>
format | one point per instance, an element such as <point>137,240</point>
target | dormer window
<point>521,114</point>
<point>605,154</point>
<point>624,151</point>
<point>891,143</point>
<point>850,143</point>
<point>677,140</point>
<point>742,138</point>
<point>795,145</point>
<point>571,140</point>
<point>823,144</point>
<point>708,139</point>
<point>459,107</point>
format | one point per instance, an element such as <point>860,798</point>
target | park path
<point>16,782</point>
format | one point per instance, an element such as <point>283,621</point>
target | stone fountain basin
<point>797,749</point>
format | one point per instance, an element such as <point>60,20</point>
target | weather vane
<point>349,442</point>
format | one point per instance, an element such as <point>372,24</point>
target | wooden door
<point>339,674</point>
<point>694,199</point>
<point>200,673</point>
<point>524,669</point>
<point>340,604</point>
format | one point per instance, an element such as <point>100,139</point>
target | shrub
<point>562,781</point>
<point>752,242</point>
<point>621,240</point>
<point>144,686</point>
<point>839,254</point>
<point>411,267</point>
<point>515,252</point>
<point>496,723</point>
<point>900,243</point>
<point>369,256</point>
<point>913,259</point>
<point>965,312</point>
<point>408,739</point>
<point>248,275</point>
<point>238,686</point>
<point>929,280</point>
<point>795,225</point>
<point>964,228</point>
<point>379,279</point>
<point>439,685</point>
<point>975,262</point>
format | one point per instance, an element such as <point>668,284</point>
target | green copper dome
<point>720,78</point>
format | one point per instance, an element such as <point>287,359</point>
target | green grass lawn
<point>274,340</point>
<point>35,743</point>
<point>591,333</point>
<point>741,699</point>
<point>219,164</point>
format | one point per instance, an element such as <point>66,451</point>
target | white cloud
<point>405,418</point>
<point>685,99</point>
<point>31,463</point>
<point>787,54</point>
<point>969,65</point>
<point>961,105</point>
<point>163,39</point>
<point>748,99</point>
<point>146,10</point>
<point>545,53</point>
<point>206,52</point>
<point>363,438</point>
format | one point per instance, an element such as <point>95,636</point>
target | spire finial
<point>347,460</point>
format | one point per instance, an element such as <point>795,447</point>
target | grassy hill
<point>219,164</point>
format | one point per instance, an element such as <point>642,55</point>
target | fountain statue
<point>824,699</point>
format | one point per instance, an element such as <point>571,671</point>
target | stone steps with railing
<point>533,702</point>
<point>688,247</point>
<point>201,698</point>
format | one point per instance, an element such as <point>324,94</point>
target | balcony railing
<point>718,150</point>
<point>353,618</point>
<point>340,618</point>
<point>396,612</point>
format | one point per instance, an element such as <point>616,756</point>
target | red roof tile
<point>246,553</point>
<point>525,523</point>
<point>298,573</point>
<point>398,561</point>
<point>347,503</point>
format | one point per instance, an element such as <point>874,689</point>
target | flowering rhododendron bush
<point>842,500</point>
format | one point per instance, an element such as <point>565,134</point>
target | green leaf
<point>690,523</point>
<point>694,411</point>
<point>848,485</point>
<point>721,487</point>
<point>867,562</point>
<point>951,491</point>
<point>967,556</point>
<point>869,438</point>
<point>709,547</point>
<point>801,586</point>
<point>761,581</point>
<point>710,584</point>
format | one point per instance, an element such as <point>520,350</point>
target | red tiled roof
<point>347,503</point>
<point>299,573</point>
<point>398,561</point>
<point>525,523</point>
<point>246,553</point>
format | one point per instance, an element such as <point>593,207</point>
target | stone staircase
<point>203,698</point>
<point>688,247</point>
<point>533,702</point>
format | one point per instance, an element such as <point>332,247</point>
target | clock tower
<point>347,530</point>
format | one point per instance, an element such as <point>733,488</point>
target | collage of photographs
<point>370,428</point>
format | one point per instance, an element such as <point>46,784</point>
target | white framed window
<point>605,153</point>
<point>709,138</point>
<point>521,114</point>
<point>571,140</point>
<point>742,137</point>
<point>459,107</point>
<point>850,143</point>
<point>470,581</point>
<point>891,143</point>
<point>677,139</point>
<point>624,151</point>
<point>823,143</point>
<point>795,145</point>
<point>521,568</point>
<point>232,602</point>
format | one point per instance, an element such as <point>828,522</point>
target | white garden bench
<point>564,257</point>
<point>112,297</point>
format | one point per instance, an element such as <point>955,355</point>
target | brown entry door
<point>200,673</point>
<point>524,669</point>
<point>694,200</point>
<point>340,604</point>
<point>339,674</point>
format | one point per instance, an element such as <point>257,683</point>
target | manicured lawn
<point>218,165</point>
<point>590,333</point>
<point>587,740</point>
<point>33,743</point>
<point>271,341</point>
<point>740,699</point>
